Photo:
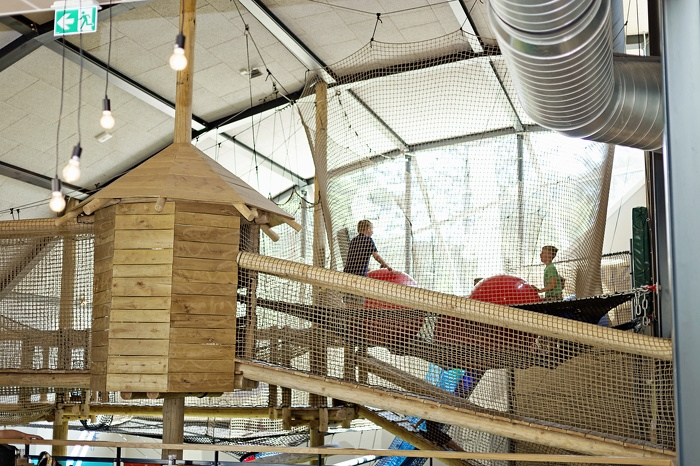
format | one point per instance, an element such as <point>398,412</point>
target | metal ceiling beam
<point>393,134</point>
<point>291,42</point>
<point>459,9</point>
<point>430,145</point>
<point>99,68</point>
<point>35,35</point>
<point>274,166</point>
<point>228,119</point>
<point>461,12</point>
<point>252,111</point>
<point>493,73</point>
<point>19,48</point>
<point>37,179</point>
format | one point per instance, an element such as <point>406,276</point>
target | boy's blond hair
<point>362,225</point>
<point>551,250</point>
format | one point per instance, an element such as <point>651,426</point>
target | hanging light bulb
<point>178,60</point>
<point>107,120</point>
<point>71,172</point>
<point>57,202</point>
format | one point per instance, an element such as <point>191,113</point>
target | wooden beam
<point>159,204</point>
<point>271,234</point>
<point>407,381</point>
<point>67,216</point>
<point>40,227</point>
<point>435,411</point>
<point>97,204</point>
<point>304,414</point>
<point>291,223</point>
<point>30,254</point>
<point>66,308</point>
<point>405,435</point>
<point>244,211</point>
<point>185,78</point>
<point>355,452</point>
<point>463,308</point>
<point>45,378</point>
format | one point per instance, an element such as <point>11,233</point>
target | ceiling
<point>49,102</point>
<point>19,7</point>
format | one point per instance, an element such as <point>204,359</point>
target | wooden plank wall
<point>203,312</point>
<point>102,296</point>
<point>141,282</point>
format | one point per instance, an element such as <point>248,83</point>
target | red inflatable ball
<point>394,277</point>
<point>506,290</point>
<point>382,328</point>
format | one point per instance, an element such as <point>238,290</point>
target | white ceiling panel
<point>7,35</point>
<point>32,202</point>
<point>142,40</point>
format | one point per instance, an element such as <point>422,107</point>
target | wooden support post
<point>286,396</point>
<point>320,156</point>
<point>316,439</point>
<point>185,78</point>
<point>318,360</point>
<point>323,420</point>
<point>286,418</point>
<point>318,352</point>
<point>173,425</point>
<point>286,361</point>
<point>60,432</point>
<point>174,408</point>
<point>348,367</point>
<point>65,313</point>
<point>361,357</point>
<point>272,389</point>
<point>251,318</point>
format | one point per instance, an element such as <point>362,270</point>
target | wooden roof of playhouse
<point>183,172</point>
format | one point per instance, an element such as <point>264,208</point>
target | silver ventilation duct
<point>560,55</point>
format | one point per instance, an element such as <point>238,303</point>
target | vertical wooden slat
<point>102,295</point>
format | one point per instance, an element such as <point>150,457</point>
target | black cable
<point>60,107</point>
<point>80,88</point>
<point>386,13</point>
<point>247,28</point>
<point>109,48</point>
<point>376,23</point>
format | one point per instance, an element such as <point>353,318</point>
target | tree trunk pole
<point>185,78</point>
<point>318,352</point>
<point>174,408</point>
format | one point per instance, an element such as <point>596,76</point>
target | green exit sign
<point>75,21</point>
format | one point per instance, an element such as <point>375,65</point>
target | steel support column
<point>681,66</point>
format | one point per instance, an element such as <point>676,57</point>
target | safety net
<point>450,257</point>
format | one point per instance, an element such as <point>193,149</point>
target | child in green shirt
<point>552,281</point>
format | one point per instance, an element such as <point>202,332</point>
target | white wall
<point>618,229</point>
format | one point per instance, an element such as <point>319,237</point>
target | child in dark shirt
<point>361,248</point>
